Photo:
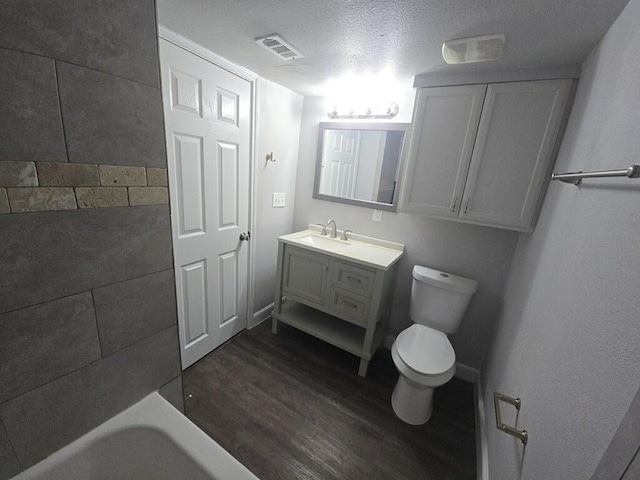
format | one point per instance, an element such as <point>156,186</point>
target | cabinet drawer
<point>350,307</point>
<point>354,279</point>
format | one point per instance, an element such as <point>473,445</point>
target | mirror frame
<point>388,126</point>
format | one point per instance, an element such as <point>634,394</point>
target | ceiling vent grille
<point>279,47</point>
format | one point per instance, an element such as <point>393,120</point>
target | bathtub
<point>150,440</point>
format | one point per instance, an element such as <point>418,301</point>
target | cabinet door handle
<point>349,304</point>
<point>351,279</point>
<point>455,202</point>
<point>466,206</point>
<point>325,267</point>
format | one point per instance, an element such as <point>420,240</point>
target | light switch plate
<point>377,216</point>
<point>278,200</point>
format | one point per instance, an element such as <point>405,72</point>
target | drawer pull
<point>353,279</point>
<point>349,304</point>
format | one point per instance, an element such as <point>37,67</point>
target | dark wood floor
<point>293,407</point>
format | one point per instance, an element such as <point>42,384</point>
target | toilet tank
<point>439,299</point>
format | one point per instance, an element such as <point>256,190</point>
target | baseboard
<point>388,341</point>
<point>260,316</point>
<point>466,373</point>
<point>482,451</point>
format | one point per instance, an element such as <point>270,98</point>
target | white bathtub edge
<point>153,411</point>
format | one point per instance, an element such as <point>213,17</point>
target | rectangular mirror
<point>359,163</point>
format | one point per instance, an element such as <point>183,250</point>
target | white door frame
<point>251,77</point>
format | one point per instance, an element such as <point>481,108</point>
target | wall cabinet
<point>341,302</point>
<point>483,153</point>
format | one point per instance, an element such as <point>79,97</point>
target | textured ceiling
<point>400,37</point>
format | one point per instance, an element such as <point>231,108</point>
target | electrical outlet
<point>377,215</point>
<point>278,200</point>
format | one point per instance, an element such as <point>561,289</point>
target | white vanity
<point>337,290</point>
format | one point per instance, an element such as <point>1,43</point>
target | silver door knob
<point>245,237</point>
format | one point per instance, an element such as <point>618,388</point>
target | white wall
<point>568,339</point>
<point>278,131</point>
<point>477,252</point>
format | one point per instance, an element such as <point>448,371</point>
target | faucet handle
<point>344,234</point>
<point>324,229</point>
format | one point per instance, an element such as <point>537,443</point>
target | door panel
<point>207,120</point>
<point>512,150</point>
<point>444,133</point>
<point>189,166</point>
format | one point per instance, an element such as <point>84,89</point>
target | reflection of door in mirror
<point>360,164</point>
<point>340,163</point>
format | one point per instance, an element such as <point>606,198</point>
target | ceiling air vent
<point>474,49</point>
<point>279,47</point>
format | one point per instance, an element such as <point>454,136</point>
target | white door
<point>445,126</point>
<point>207,120</point>
<point>340,163</point>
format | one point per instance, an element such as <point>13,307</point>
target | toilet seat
<point>424,355</point>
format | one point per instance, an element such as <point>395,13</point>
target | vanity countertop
<point>367,251</point>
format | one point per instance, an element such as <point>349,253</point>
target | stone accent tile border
<point>114,176</point>
<point>101,197</point>
<point>38,199</point>
<point>148,195</point>
<point>67,175</point>
<point>46,186</point>
<point>18,174</point>
<point>4,201</point>
<point>157,177</point>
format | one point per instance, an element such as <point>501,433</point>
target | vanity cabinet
<point>339,301</point>
<point>483,154</point>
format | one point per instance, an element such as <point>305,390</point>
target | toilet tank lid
<point>445,280</point>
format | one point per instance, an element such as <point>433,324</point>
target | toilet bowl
<point>422,353</point>
<point>425,360</point>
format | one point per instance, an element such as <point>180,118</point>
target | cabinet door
<point>305,276</point>
<point>517,133</point>
<point>445,126</point>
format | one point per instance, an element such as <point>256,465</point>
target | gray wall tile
<point>114,36</point>
<point>59,412</point>
<point>49,255</point>
<point>41,343</point>
<point>30,121</point>
<point>122,125</point>
<point>9,465</point>
<point>173,393</point>
<point>130,311</point>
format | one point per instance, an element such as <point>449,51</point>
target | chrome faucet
<point>333,228</point>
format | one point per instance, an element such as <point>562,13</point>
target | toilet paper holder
<point>498,397</point>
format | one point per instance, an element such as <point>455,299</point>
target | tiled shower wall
<point>87,302</point>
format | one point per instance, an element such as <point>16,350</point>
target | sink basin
<point>366,251</point>
<point>325,243</point>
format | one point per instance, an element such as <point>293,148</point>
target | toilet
<point>422,353</point>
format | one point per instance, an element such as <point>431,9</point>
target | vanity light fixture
<point>388,111</point>
<point>474,49</point>
<point>279,47</point>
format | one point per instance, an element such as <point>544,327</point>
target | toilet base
<point>412,403</point>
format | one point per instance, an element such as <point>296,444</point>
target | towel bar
<point>632,172</point>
